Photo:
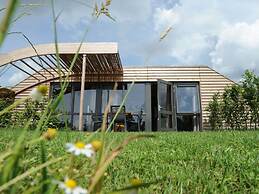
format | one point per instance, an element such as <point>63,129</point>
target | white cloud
<point>237,49</point>
<point>74,13</point>
<point>131,11</point>
<point>164,18</point>
<point>191,49</point>
<point>241,34</point>
<point>222,34</point>
<point>213,33</point>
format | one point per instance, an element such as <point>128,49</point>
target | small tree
<point>233,107</point>
<point>250,84</point>
<point>238,105</point>
<point>215,112</point>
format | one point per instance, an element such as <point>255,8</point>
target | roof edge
<point>64,48</point>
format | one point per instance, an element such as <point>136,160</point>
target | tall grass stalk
<point>5,23</point>
<point>29,172</point>
<point>11,173</point>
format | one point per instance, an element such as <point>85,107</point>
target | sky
<point>223,35</point>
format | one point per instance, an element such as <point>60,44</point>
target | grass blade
<point>7,19</point>
<point>44,172</point>
<point>29,172</point>
<point>100,171</point>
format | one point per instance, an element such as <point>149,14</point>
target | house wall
<point>209,80</point>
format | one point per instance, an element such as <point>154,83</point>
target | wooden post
<point>72,104</point>
<point>81,111</point>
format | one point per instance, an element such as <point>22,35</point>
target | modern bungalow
<point>163,98</point>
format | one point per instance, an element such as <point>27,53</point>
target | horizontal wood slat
<point>209,80</point>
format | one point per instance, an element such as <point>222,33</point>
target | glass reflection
<point>105,99</point>
<point>96,99</point>
<point>65,104</point>
<point>136,99</point>
<point>187,99</point>
<point>165,97</point>
<point>89,101</point>
<point>116,97</point>
<point>87,122</point>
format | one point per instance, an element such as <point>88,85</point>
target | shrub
<point>238,106</point>
<point>32,112</point>
<point>215,117</point>
<point>6,99</point>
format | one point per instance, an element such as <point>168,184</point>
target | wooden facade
<point>104,65</point>
<point>209,81</point>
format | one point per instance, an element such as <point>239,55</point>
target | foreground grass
<point>206,162</point>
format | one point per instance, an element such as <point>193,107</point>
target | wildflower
<point>51,133</point>
<point>80,148</point>
<point>135,182</point>
<point>38,92</point>
<point>70,187</point>
<point>96,145</point>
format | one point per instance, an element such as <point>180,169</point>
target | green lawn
<point>198,162</point>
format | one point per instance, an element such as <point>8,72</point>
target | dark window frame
<point>197,114</point>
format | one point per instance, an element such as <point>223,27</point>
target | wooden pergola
<point>94,59</point>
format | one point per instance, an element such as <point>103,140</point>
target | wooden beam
<point>81,110</point>
<point>36,71</point>
<point>90,63</point>
<point>41,58</point>
<point>24,71</point>
<point>56,64</point>
<point>41,65</point>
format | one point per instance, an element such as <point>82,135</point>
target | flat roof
<point>101,58</point>
<point>64,48</point>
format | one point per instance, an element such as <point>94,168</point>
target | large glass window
<point>187,99</point>
<point>87,122</point>
<point>135,107</point>
<point>96,97</point>
<point>89,101</point>
<point>105,99</point>
<point>116,97</point>
<point>65,104</point>
<point>188,107</point>
<point>165,97</point>
<point>136,99</point>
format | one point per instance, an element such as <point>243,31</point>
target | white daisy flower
<point>70,187</point>
<point>38,92</point>
<point>81,148</point>
<point>36,95</point>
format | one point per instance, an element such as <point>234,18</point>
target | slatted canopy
<point>101,59</point>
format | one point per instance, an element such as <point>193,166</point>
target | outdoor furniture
<point>135,122</point>
<point>96,122</point>
<point>120,122</point>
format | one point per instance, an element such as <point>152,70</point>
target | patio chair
<point>96,122</point>
<point>120,122</point>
